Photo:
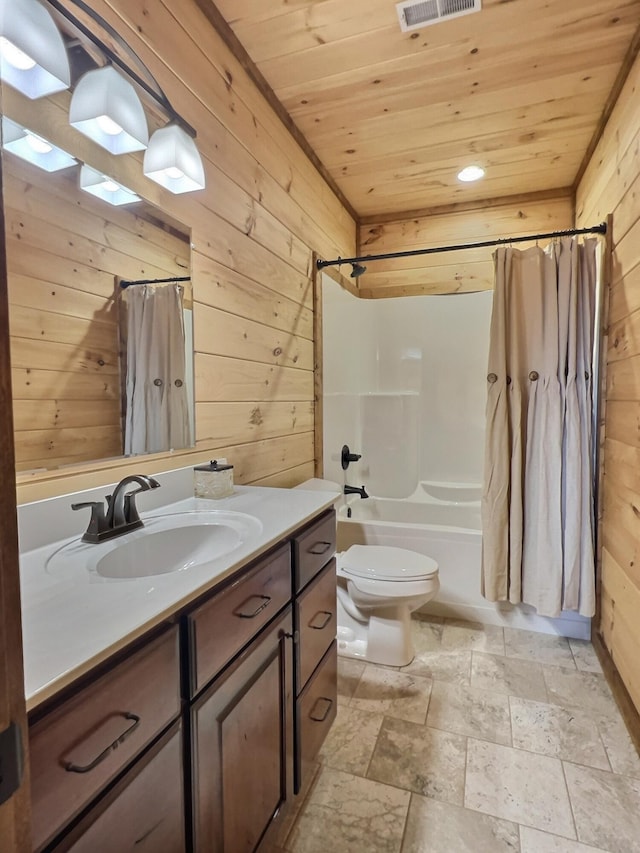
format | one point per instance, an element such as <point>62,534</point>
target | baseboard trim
<point>630,713</point>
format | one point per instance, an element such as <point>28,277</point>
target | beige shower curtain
<point>537,506</point>
<point>156,414</point>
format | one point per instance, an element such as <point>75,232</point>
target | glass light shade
<point>471,173</point>
<point>33,57</point>
<point>173,160</point>
<point>42,153</point>
<point>106,108</point>
<point>104,187</point>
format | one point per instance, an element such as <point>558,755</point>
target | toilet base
<point>349,646</point>
<point>385,638</point>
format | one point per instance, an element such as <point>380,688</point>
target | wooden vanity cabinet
<point>198,739</point>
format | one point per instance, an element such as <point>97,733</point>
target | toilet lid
<point>380,562</point>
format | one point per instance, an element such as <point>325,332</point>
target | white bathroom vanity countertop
<point>73,621</point>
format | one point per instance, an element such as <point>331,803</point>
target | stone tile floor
<point>491,740</point>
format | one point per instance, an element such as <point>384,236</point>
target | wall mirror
<point>70,322</point>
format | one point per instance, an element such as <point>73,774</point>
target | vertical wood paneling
<point>610,185</point>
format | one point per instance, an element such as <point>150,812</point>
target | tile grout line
<point>466,763</point>
<point>566,785</point>
<point>509,698</point>
<point>406,822</point>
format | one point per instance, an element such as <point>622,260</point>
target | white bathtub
<point>450,532</point>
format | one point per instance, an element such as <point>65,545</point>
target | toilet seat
<point>384,563</point>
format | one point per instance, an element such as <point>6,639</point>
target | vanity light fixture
<point>42,153</point>
<point>106,101</point>
<point>173,160</point>
<point>106,108</point>
<point>104,187</point>
<point>33,57</point>
<point>471,173</point>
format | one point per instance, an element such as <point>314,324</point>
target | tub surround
<point>72,624</point>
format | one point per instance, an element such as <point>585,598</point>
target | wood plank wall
<point>64,251</point>
<point>468,270</point>
<point>254,228</point>
<point>611,184</point>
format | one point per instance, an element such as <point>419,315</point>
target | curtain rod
<point>596,229</point>
<point>124,284</point>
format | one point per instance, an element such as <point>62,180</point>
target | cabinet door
<point>243,746</point>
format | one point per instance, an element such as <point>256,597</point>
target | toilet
<point>378,589</point>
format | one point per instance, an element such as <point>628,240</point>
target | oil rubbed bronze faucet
<point>355,490</point>
<point>121,514</point>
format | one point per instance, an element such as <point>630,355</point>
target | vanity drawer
<point>315,712</point>
<point>220,628</point>
<point>316,622</point>
<point>313,548</point>
<point>84,743</point>
<point>143,812</point>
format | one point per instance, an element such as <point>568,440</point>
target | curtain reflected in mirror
<point>67,252</point>
<point>155,328</point>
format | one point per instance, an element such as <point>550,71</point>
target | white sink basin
<point>166,544</point>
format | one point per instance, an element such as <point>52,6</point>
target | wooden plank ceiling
<point>518,88</point>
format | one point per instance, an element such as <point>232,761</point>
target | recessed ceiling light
<point>471,173</point>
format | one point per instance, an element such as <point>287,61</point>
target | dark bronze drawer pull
<point>79,768</point>
<point>322,549</point>
<point>327,618</point>
<point>328,706</point>
<point>265,601</point>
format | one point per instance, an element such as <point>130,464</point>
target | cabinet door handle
<point>325,615</point>
<point>316,717</point>
<point>79,768</point>
<point>320,547</point>
<point>239,611</point>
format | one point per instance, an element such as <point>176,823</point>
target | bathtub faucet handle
<point>346,457</point>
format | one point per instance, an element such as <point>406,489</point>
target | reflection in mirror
<point>66,253</point>
<point>154,326</point>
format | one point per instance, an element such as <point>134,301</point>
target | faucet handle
<point>97,522</point>
<point>346,457</point>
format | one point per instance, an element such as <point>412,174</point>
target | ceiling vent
<point>422,13</point>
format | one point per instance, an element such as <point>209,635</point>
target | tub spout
<point>354,490</point>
